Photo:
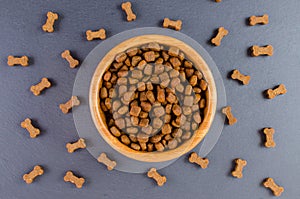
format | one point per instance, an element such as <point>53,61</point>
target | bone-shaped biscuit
<point>67,55</point>
<point>48,26</point>
<point>127,8</point>
<point>229,115</point>
<point>253,20</point>
<point>280,90</point>
<point>38,88</point>
<point>29,177</point>
<point>33,132</point>
<point>238,171</point>
<point>262,50</point>
<point>269,183</point>
<point>70,177</point>
<point>236,74</point>
<point>168,23</point>
<point>160,180</point>
<point>80,144</point>
<point>269,132</point>
<point>23,61</point>
<point>65,108</point>
<point>202,162</point>
<point>222,32</point>
<point>99,34</point>
<point>106,161</point>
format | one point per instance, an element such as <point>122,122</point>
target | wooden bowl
<point>99,118</point>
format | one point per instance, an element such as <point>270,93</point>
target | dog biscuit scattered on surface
<point>106,161</point>
<point>222,32</point>
<point>280,90</point>
<point>128,10</point>
<point>70,177</point>
<point>99,34</point>
<point>33,132</point>
<point>29,177</point>
<point>231,119</point>
<point>48,26</point>
<point>80,144</point>
<point>160,180</point>
<point>238,171</point>
<point>202,162</point>
<point>262,50</point>
<point>269,132</point>
<point>245,79</point>
<point>270,183</point>
<point>67,55</point>
<point>172,24</point>
<point>253,20</point>
<point>65,108</point>
<point>38,88</point>
<point>23,61</point>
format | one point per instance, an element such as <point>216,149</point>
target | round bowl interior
<point>99,118</point>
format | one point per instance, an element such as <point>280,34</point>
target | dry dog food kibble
<point>67,55</point>
<point>23,61</point>
<point>280,90</point>
<point>222,32</point>
<point>33,132</point>
<point>48,26</point>
<point>172,24</point>
<point>80,144</point>
<point>29,177</point>
<point>218,1</point>
<point>276,189</point>
<point>128,10</point>
<point>70,177</point>
<point>253,20</point>
<point>202,162</point>
<point>261,50</point>
<point>91,35</point>
<point>37,89</point>
<point>245,79</point>
<point>65,108</point>
<point>106,161</point>
<point>231,119</point>
<point>160,180</point>
<point>269,132</point>
<point>239,166</point>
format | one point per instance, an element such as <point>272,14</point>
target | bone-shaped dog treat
<point>38,88</point>
<point>239,76</point>
<point>238,171</point>
<point>80,144</point>
<point>48,26</point>
<point>100,34</point>
<point>67,55</point>
<point>202,162</point>
<point>269,183</point>
<point>280,90</point>
<point>222,32</point>
<point>33,132</point>
<point>29,177</point>
<point>269,132</point>
<point>106,161</point>
<point>23,61</point>
<point>160,180</point>
<point>253,20</point>
<point>172,24</point>
<point>65,108</point>
<point>70,177</point>
<point>262,50</point>
<point>230,117</point>
<point>127,8</point>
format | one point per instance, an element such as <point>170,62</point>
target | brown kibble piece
<point>203,84</point>
<point>280,90</point>
<point>135,111</point>
<point>160,180</point>
<point>99,34</point>
<point>149,56</point>
<point>33,132</point>
<point>70,177</point>
<point>218,1</point>
<point>23,61</point>
<point>125,140</point>
<point>166,129</point>
<point>245,79</point>
<point>222,32</point>
<point>159,146</point>
<point>262,50</point>
<point>67,55</point>
<point>80,144</point>
<point>38,88</point>
<point>65,108</point>
<point>127,8</point>
<point>176,109</point>
<point>253,20</point>
<point>193,80</point>
<point>231,119</point>
<point>106,161</point>
<point>37,171</point>
<point>115,131</point>
<point>238,170</point>
<point>135,146</point>
<point>172,24</point>
<point>276,189</point>
<point>269,132</point>
<point>48,26</point>
<point>202,162</point>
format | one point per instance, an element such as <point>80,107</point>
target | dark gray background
<point>21,33</point>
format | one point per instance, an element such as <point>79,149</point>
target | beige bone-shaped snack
<point>229,115</point>
<point>128,10</point>
<point>269,183</point>
<point>48,26</point>
<point>80,144</point>
<point>202,162</point>
<point>168,23</point>
<point>269,132</point>
<point>160,180</point>
<point>262,50</point>
<point>280,90</point>
<point>67,55</point>
<point>70,177</point>
<point>33,132</point>
<point>222,32</point>
<point>106,161</point>
<point>23,61</point>
<point>236,74</point>
<point>65,108</point>
<point>38,88</point>
<point>253,20</point>
<point>239,166</point>
<point>99,34</point>
<point>37,171</point>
